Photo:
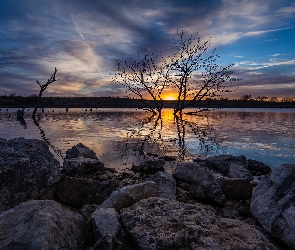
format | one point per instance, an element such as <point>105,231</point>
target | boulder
<point>27,168</point>
<point>80,150</point>
<point>128,195</point>
<point>77,192</point>
<point>41,225</point>
<point>158,223</point>
<point>236,188</point>
<point>82,166</point>
<point>258,168</point>
<point>238,171</point>
<point>149,167</point>
<point>272,203</point>
<point>203,184</point>
<point>166,185</point>
<point>105,221</point>
<point>222,163</point>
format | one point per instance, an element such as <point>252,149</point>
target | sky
<point>84,39</point>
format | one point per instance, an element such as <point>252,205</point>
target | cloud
<point>83,39</point>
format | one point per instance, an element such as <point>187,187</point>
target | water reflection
<point>125,137</point>
<point>22,122</point>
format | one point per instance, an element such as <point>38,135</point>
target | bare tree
<point>42,89</point>
<point>192,72</point>
<point>144,78</point>
<point>197,73</point>
<point>246,98</point>
<point>273,99</point>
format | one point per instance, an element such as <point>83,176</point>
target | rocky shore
<point>222,202</point>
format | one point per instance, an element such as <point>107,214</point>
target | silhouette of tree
<point>273,99</point>
<point>246,98</point>
<point>192,72</point>
<point>42,89</point>
<point>196,73</point>
<point>144,77</point>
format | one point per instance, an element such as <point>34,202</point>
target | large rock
<point>203,184</point>
<point>80,150</point>
<point>223,163</point>
<point>236,188</point>
<point>105,222</point>
<point>157,223</point>
<point>166,185</point>
<point>128,195</point>
<point>258,168</point>
<point>41,225</point>
<point>149,167</point>
<point>77,192</point>
<point>273,203</point>
<point>27,168</point>
<point>82,166</point>
<point>238,171</point>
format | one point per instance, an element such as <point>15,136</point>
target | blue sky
<point>85,38</point>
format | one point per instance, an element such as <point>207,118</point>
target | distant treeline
<point>116,102</point>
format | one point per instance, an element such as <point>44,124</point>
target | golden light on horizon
<point>170,96</point>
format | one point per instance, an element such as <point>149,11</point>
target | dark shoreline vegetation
<point>116,102</point>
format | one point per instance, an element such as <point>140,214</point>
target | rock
<point>166,185</point>
<point>149,167</point>
<point>105,221</point>
<point>77,192</point>
<point>229,212</point>
<point>168,158</point>
<point>80,150</point>
<point>203,185</point>
<point>272,203</point>
<point>238,171</point>
<point>236,188</point>
<point>82,166</point>
<point>41,225</point>
<point>157,223</point>
<point>87,210</point>
<point>107,242</point>
<point>27,169</point>
<point>222,163</point>
<point>258,168</point>
<point>128,195</point>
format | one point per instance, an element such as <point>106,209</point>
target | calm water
<point>124,137</point>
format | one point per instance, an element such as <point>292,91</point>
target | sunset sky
<point>85,38</point>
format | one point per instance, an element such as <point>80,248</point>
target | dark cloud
<point>84,39</point>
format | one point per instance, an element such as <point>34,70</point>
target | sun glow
<point>170,97</point>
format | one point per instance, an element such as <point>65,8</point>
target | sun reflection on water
<point>121,137</point>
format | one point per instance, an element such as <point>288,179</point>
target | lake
<point>122,137</point>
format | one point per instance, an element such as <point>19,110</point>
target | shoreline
<point>112,102</point>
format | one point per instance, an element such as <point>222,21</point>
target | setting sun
<point>169,97</point>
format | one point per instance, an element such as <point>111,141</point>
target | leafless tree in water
<point>42,89</point>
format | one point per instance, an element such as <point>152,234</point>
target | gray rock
<point>82,166</point>
<point>107,242</point>
<point>166,185</point>
<point>157,223</point>
<point>222,163</point>
<point>238,171</point>
<point>272,203</point>
<point>80,150</point>
<point>203,184</point>
<point>27,168</point>
<point>77,192</point>
<point>149,167</point>
<point>128,195</point>
<point>105,221</point>
<point>236,188</point>
<point>41,225</point>
<point>258,168</point>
